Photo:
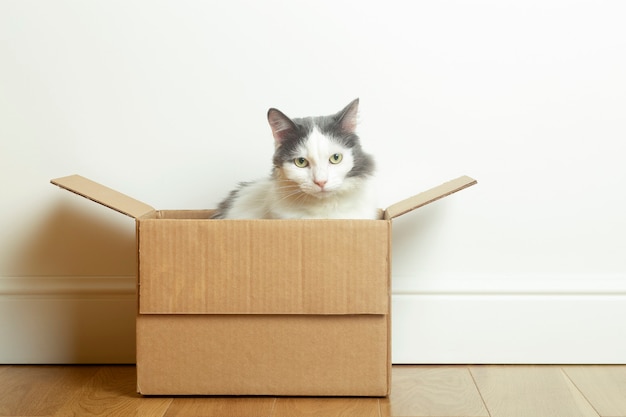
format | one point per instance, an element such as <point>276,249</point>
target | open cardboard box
<point>261,307</point>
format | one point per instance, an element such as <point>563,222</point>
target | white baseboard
<point>543,319</point>
<point>509,283</point>
<point>67,320</point>
<point>575,320</point>
<point>75,286</point>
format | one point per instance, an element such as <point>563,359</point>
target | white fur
<point>297,196</point>
<point>262,200</point>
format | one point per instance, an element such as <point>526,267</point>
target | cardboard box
<point>261,307</point>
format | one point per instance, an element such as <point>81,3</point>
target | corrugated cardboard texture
<point>263,355</point>
<point>264,267</point>
<point>103,195</point>
<point>428,197</point>
<point>185,214</point>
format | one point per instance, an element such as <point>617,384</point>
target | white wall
<point>166,101</point>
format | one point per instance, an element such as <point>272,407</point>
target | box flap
<point>428,197</point>
<point>103,195</point>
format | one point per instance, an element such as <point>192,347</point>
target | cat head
<point>320,156</point>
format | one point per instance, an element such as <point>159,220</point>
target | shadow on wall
<point>70,293</point>
<point>77,238</point>
<point>415,241</point>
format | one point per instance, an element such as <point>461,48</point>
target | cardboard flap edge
<point>429,196</point>
<point>103,195</point>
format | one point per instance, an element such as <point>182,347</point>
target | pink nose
<point>321,183</point>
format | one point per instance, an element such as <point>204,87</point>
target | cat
<point>319,172</point>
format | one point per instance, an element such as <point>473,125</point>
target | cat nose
<point>321,183</point>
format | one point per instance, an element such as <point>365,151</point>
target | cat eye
<point>301,162</point>
<point>336,158</point>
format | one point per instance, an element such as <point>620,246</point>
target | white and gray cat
<point>319,172</point>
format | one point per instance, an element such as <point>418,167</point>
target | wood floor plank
<point>417,391</point>
<point>327,407</point>
<point>604,386</point>
<point>425,391</point>
<point>112,392</point>
<point>221,407</point>
<point>39,390</point>
<point>526,390</point>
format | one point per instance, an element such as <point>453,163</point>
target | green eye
<point>301,162</point>
<point>336,158</point>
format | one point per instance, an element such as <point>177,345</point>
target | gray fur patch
<point>227,203</point>
<point>330,126</point>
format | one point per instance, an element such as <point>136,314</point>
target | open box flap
<point>428,197</point>
<point>104,195</point>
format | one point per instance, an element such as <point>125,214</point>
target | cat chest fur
<point>261,307</point>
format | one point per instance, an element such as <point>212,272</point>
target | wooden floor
<point>444,391</point>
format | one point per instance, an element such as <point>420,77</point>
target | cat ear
<point>281,125</point>
<point>348,117</point>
